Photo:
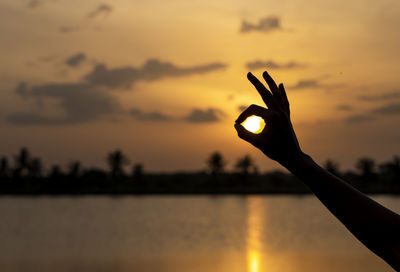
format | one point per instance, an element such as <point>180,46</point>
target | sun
<point>254,124</point>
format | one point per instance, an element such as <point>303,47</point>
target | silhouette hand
<point>277,140</point>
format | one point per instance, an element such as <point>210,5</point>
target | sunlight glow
<point>254,124</point>
<point>254,259</point>
<point>253,239</point>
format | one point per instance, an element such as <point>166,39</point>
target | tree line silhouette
<point>26,174</point>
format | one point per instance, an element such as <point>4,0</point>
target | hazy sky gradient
<point>163,80</point>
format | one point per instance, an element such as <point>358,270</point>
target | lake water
<point>179,233</point>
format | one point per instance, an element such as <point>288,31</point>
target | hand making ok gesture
<point>277,140</point>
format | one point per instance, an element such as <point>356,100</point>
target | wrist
<point>295,160</point>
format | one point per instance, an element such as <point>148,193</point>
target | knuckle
<point>276,115</point>
<point>252,106</point>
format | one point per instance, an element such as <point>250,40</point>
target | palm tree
<point>391,168</point>
<point>395,167</point>
<point>137,171</point>
<point>366,167</point>
<point>35,167</point>
<point>55,172</point>
<point>244,164</point>
<point>116,161</point>
<point>216,163</point>
<point>332,167</point>
<point>74,169</point>
<point>22,161</point>
<point>4,167</point>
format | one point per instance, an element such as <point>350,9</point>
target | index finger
<point>252,110</point>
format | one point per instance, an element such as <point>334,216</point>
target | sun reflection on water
<point>254,261</point>
<point>254,225</point>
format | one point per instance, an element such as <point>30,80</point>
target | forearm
<point>374,225</point>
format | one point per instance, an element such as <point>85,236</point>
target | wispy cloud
<point>33,3</point>
<point>358,118</point>
<point>76,60</point>
<point>391,109</point>
<point>195,116</point>
<point>49,58</point>
<point>314,84</point>
<point>103,9</point>
<point>68,29</point>
<point>344,107</point>
<point>266,24</point>
<point>380,97</point>
<point>204,116</point>
<point>242,107</point>
<point>150,116</point>
<point>306,83</point>
<point>270,64</point>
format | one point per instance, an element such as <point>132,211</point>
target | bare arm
<point>377,227</point>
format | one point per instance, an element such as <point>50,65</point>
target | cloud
<point>344,107</point>
<point>68,29</point>
<point>270,64</point>
<point>361,118</point>
<point>389,109</point>
<point>75,60</point>
<point>47,58</point>
<point>21,89</point>
<point>79,102</point>
<point>152,70</point>
<point>385,110</point>
<point>314,84</point>
<point>33,4</point>
<point>380,97</point>
<point>82,102</point>
<point>104,9</point>
<point>195,116</point>
<point>204,116</point>
<point>265,25</point>
<point>150,116</point>
<point>242,107</point>
<point>116,77</point>
<point>29,118</point>
<point>306,83</point>
<point>89,99</point>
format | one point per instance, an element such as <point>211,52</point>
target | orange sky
<point>163,80</point>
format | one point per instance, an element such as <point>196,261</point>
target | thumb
<point>245,134</point>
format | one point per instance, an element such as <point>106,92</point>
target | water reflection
<point>178,234</point>
<point>253,239</point>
